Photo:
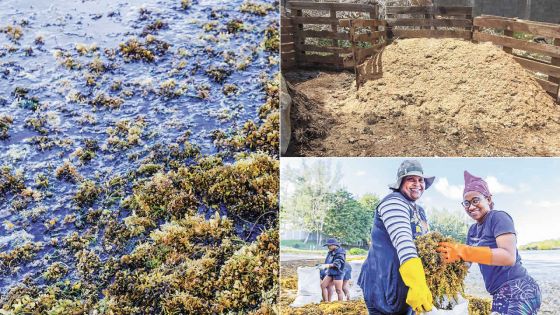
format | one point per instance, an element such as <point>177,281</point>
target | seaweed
<point>444,280</point>
<point>272,38</point>
<point>13,32</point>
<point>11,261</point>
<point>102,99</point>
<point>256,8</point>
<point>134,50</point>
<point>479,306</point>
<point>185,4</point>
<point>234,26</point>
<point>5,122</point>
<point>87,193</point>
<point>10,181</point>
<point>68,172</point>
<point>55,271</point>
<point>218,73</point>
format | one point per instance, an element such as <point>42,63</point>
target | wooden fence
<point>327,45</point>
<point>287,46</point>
<point>367,43</point>
<point>535,56</point>
<point>429,21</point>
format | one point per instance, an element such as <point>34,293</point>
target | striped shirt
<point>396,216</point>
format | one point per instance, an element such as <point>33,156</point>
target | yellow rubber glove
<point>452,252</point>
<point>419,296</point>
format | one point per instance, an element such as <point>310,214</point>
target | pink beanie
<point>473,183</point>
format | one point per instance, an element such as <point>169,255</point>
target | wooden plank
<point>314,20</point>
<point>334,28</point>
<point>322,59</point>
<point>447,10</point>
<point>430,34</point>
<point>538,66</point>
<point>288,55</point>
<point>371,37</point>
<point>287,38</point>
<point>362,23</point>
<point>430,22</point>
<point>548,86</point>
<point>545,49</point>
<point>327,6</point>
<point>363,53</point>
<point>287,28</point>
<point>508,33</point>
<point>536,28</point>
<point>328,49</point>
<point>555,62</point>
<point>326,34</point>
<point>285,47</point>
<point>323,66</point>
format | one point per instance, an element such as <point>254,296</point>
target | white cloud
<point>360,173</point>
<point>496,187</point>
<point>450,191</point>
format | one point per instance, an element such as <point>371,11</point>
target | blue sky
<point>527,188</point>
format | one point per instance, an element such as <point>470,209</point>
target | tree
<point>449,223</point>
<point>305,202</point>
<point>350,220</point>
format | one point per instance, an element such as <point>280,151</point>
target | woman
<point>491,242</point>
<point>392,277</point>
<point>345,282</point>
<point>334,265</point>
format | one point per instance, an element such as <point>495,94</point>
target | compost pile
<point>436,97</point>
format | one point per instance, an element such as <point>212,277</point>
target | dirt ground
<point>437,97</point>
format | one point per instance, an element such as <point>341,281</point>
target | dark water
<point>52,33</point>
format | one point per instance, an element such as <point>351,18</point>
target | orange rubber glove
<point>452,252</point>
<point>419,295</point>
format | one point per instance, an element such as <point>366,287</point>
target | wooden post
<point>354,50</point>
<point>556,62</point>
<point>508,33</point>
<point>334,29</point>
<point>299,39</point>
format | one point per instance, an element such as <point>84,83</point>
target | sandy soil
<point>437,97</point>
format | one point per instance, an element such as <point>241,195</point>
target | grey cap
<point>411,168</point>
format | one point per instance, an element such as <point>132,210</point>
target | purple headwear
<point>473,183</point>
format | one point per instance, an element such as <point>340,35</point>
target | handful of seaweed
<point>479,306</point>
<point>444,280</point>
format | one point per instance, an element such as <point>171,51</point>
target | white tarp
<point>460,307</point>
<point>309,286</point>
<point>355,290</point>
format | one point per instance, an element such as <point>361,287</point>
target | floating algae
<point>128,87</point>
<point>444,280</point>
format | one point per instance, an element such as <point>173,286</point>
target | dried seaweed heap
<point>444,280</point>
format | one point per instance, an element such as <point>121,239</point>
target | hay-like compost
<point>436,97</point>
<point>444,280</point>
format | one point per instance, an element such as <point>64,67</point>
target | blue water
<point>64,24</point>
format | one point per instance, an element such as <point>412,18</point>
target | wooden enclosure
<point>429,21</point>
<point>357,43</point>
<point>537,55</point>
<point>318,39</point>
